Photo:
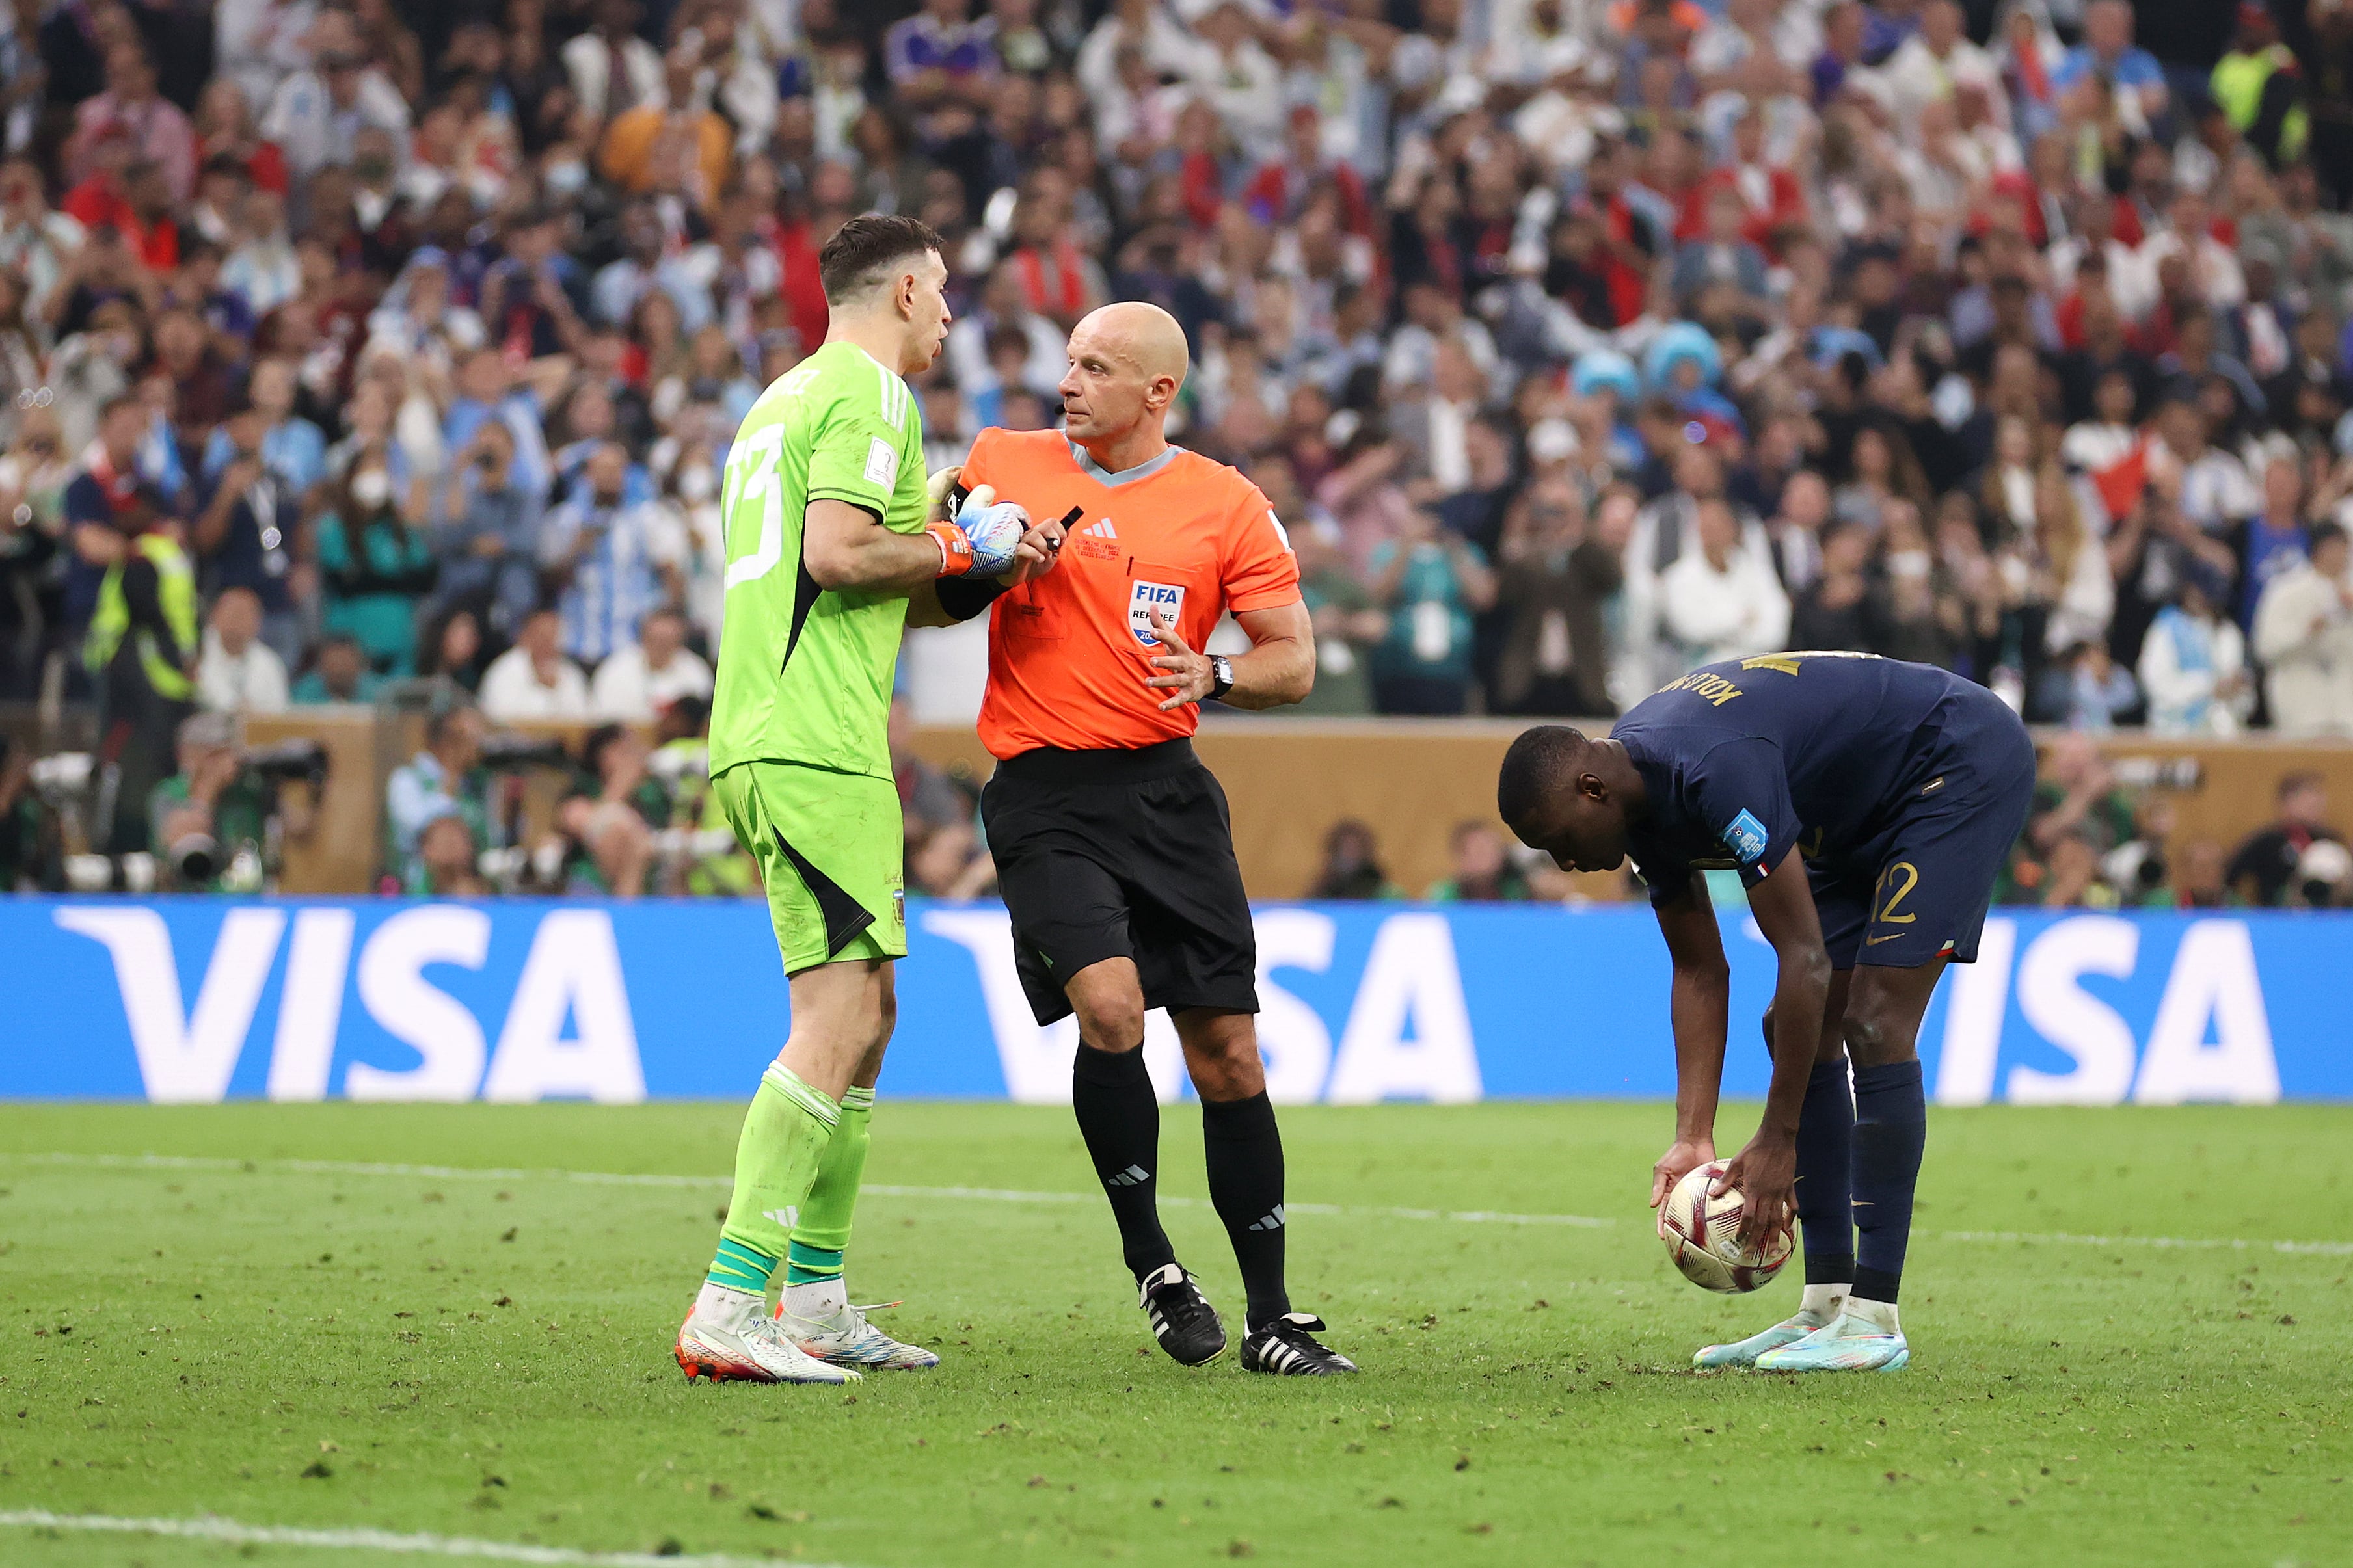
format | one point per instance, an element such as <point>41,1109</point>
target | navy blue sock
<point>1825,1167</point>
<point>1891,1128</point>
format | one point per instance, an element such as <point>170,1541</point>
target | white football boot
<point>1865,1337</point>
<point>729,1338</point>
<point>1820,1308</point>
<point>848,1340</point>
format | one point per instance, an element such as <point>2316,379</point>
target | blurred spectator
<point>615,808</point>
<point>444,865</point>
<point>1833,611</point>
<point>1721,600</point>
<point>98,503</point>
<point>377,568</point>
<point>928,799</point>
<point>2264,870</point>
<point>533,680</point>
<point>2193,666</point>
<point>2201,881</point>
<point>33,477</point>
<point>339,674</point>
<point>291,447</point>
<point>445,779</point>
<point>2089,689</point>
<point>452,649</point>
<point>607,558</point>
<point>1483,872</point>
<point>488,543</point>
<point>1347,627</point>
<point>1352,866</point>
<point>236,672</point>
<point>610,68</point>
<point>318,111</point>
<point>1431,582</point>
<point>2076,800</point>
<point>949,863</point>
<point>153,128</point>
<point>2304,638</point>
<point>2273,541</point>
<point>641,678</point>
<point>1555,580</point>
<point>244,534</point>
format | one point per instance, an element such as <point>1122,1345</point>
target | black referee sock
<point>1119,1119</point>
<point>1244,1149</point>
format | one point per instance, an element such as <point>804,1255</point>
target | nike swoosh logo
<point>1891,936</point>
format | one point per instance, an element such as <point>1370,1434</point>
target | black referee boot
<point>1285,1348</point>
<point>1182,1319</point>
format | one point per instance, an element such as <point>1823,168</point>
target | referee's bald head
<point>1127,362</point>
<point>1146,336</point>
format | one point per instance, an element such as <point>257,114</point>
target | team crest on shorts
<point>1143,598</point>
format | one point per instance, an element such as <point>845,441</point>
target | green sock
<point>786,1134</point>
<point>822,1234</point>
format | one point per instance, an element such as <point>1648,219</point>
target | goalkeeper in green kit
<point>835,544</point>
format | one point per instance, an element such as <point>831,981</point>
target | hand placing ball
<point>1703,1235</point>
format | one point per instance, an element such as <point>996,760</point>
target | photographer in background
<point>444,779</point>
<point>212,822</point>
<point>206,821</point>
<point>2268,868</point>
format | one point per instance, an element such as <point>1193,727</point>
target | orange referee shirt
<point>1069,653</point>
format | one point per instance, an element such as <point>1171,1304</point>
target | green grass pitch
<point>251,1326</point>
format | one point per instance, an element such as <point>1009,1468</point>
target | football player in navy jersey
<point>1867,805</point>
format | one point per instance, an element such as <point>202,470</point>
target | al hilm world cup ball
<point>1702,1236</point>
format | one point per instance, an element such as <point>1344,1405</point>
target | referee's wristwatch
<point>1221,677</point>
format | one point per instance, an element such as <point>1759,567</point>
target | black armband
<point>964,597</point>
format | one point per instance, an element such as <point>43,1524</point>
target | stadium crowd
<point>1577,342</point>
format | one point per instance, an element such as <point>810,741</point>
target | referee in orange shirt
<point>1113,846</point>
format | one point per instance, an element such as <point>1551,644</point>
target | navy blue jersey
<point>1829,754</point>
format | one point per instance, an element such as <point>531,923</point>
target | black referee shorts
<point>1122,854</point>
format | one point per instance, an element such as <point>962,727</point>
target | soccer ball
<point>1699,1234</point>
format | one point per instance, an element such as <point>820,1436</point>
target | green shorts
<point>832,853</point>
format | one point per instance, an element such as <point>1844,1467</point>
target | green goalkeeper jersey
<point>805,672</point>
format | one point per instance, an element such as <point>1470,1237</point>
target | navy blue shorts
<point>1921,890</point>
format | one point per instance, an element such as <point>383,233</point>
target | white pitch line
<point>2190,1243</point>
<point>627,1179</point>
<point>230,1532</point>
<point>1013,1195</point>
